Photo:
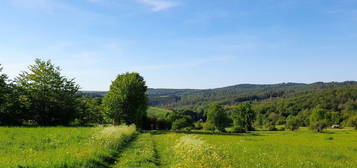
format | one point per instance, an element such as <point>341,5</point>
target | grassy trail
<point>141,152</point>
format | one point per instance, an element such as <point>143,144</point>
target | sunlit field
<point>157,112</point>
<point>118,147</point>
<point>266,149</point>
<point>60,146</point>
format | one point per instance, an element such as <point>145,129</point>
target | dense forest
<point>180,98</point>
<point>339,105</point>
<point>235,94</point>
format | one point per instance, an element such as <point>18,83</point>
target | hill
<point>237,93</point>
<point>340,104</point>
<point>178,98</point>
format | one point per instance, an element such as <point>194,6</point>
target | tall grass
<point>60,147</point>
<point>192,152</point>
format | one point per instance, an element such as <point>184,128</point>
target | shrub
<point>238,130</point>
<point>209,126</point>
<point>181,123</point>
<point>353,121</point>
<point>318,120</point>
<point>270,126</point>
<point>198,125</point>
<point>292,123</point>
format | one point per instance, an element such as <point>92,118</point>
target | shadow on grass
<point>157,132</point>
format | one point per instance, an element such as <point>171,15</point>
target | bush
<point>353,121</point>
<point>318,120</point>
<point>270,126</point>
<point>198,125</point>
<point>292,123</point>
<point>181,123</point>
<point>318,126</point>
<point>238,130</point>
<point>209,126</point>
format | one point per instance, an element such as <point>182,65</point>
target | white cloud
<point>159,5</point>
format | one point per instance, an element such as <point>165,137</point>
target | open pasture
<point>269,149</point>
<point>59,147</point>
<point>53,147</point>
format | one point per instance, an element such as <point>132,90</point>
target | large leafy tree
<point>216,116</point>
<point>243,117</point>
<point>318,120</point>
<point>49,97</point>
<point>126,102</point>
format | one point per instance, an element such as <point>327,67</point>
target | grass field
<point>63,147</point>
<point>270,149</point>
<point>53,147</point>
<point>157,112</point>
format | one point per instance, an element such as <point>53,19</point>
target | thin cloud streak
<point>159,5</point>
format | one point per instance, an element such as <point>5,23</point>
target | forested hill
<point>175,98</point>
<point>338,104</point>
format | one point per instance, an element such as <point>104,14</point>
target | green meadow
<point>157,112</point>
<point>51,147</point>
<point>123,147</point>
<point>335,148</point>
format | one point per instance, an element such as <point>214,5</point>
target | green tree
<point>126,102</point>
<point>318,120</point>
<point>353,121</point>
<point>184,122</point>
<point>243,117</point>
<point>292,123</point>
<point>180,118</point>
<point>89,111</point>
<point>3,87</point>
<point>271,120</point>
<point>49,97</point>
<point>11,112</point>
<point>216,116</point>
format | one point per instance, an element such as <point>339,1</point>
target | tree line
<point>43,96</point>
<point>178,98</point>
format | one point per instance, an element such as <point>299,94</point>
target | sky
<point>183,43</point>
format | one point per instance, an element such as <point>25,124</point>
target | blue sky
<point>183,43</point>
